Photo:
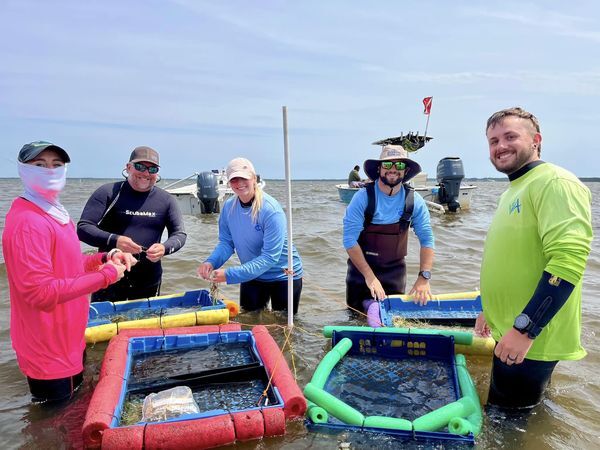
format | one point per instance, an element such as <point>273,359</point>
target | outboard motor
<point>208,193</point>
<point>450,173</point>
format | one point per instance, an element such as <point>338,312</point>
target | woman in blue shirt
<point>253,225</point>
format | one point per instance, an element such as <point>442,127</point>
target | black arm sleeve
<point>550,295</point>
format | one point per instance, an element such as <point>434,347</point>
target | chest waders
<point>384,248</point>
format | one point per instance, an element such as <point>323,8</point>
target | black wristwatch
<point>524,325</point>
<point>425,274</point>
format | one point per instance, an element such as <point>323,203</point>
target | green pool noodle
<point>460,426</point>
<point>327,364</point>
<point>389,423</point>
<point>460,337</point>
<point>468,390</point>
<point>333,406</point>
<point>317,414</point>
<point>438,419</point>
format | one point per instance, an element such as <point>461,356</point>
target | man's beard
<point>385,181</point>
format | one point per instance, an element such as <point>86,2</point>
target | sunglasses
<point>387,165</point>
<point>143,167</point>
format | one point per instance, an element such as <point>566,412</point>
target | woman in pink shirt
<point>49,278</point>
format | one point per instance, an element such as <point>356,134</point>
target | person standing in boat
<point>534,257</point>
<point>49,278</point>
<point>131,216</point>
<point>376,227</point>
<point>253,225</point>
<point>354,179</point>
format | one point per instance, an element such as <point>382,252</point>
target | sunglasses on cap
<point>143,167</point>
<point>387,165</point>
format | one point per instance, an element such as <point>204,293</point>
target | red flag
<point>427,101</point>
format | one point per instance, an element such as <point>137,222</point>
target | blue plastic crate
<point>461,311</point>
<point>101,312</point>
<point>373,375</point>
<point>244,351</point>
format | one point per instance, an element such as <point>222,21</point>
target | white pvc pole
<point>288,180</point>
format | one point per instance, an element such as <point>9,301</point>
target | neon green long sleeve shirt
<point>543,222</point>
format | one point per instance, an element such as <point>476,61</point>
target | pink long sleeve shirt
<point>49,281</point>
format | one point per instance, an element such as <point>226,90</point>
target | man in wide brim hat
<point>376,228</point>
<point>392,153</point>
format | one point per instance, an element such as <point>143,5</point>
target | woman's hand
<point>120,268</point>
<point>204,270</point>
<point>126,259</point>
<point>218,276</point>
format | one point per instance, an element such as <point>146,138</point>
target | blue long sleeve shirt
<point>388,210</point>
<point>262,247</point>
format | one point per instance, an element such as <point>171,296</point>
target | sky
<point>203,82</point>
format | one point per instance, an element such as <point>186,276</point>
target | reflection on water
<point>569,418</point>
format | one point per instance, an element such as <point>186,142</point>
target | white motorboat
<point>206,195</point>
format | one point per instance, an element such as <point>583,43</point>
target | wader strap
<point>370,210</point>
<point>409,204</point>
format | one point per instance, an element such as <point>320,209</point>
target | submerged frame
<point>208,429</point>
<point>208,313</point>
<point>462,417</point>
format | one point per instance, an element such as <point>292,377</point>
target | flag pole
<point>288,180</point>
<point>426,126</point>
<point>427,102</point>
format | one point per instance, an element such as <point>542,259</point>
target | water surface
<point>568,418</point>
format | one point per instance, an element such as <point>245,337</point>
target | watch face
<point>426,274</point>
<point>521,321</point>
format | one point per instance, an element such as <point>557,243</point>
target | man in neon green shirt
<point>534,257</point>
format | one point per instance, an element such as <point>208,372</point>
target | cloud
<point>540,17</point>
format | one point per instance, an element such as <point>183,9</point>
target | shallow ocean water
<point>568,418</point>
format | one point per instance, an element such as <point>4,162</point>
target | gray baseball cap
<point>144,154</point>
<point>31,150</point>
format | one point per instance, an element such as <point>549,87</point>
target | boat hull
<point>346,192</point>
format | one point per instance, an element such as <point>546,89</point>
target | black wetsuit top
<point>142,216</point>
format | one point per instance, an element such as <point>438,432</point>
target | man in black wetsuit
<point>130,216</point>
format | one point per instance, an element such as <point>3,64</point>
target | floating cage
<point>239,380</point>
<point>446,309</point>
<point>107,319</point>
<point>409,385</point>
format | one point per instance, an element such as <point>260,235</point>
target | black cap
<point>31,150</point>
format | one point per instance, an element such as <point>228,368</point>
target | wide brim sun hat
<point>392,153</point>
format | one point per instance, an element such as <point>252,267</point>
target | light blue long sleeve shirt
<point>387,210</point>
<point>262,247</point>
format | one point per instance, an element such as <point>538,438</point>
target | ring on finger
<point>511,358</point>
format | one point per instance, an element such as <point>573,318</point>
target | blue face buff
<point>42,187</point>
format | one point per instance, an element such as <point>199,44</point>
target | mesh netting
<point>402,388</point>
<point>143,313</point>
<point>427,314</point>
<point>152,369</point>
<point>157,366</point>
